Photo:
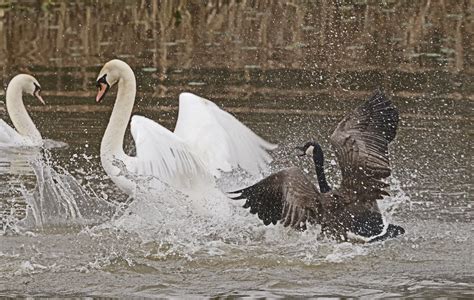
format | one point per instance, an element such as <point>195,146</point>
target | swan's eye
<point>102,80</point>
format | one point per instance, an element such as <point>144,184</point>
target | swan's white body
<point>206,140</point>
<point>26,133</point>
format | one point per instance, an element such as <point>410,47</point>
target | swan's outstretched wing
<point>162,154</point>
<point>287,196</point>
<point>361,140</point>
<point>218,138</point>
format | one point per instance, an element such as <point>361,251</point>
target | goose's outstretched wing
<point>162,154</point>
<point>218,138</point>
<point>361,141</point>
<point>287,196</point>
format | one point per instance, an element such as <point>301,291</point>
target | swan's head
<point>110,74</point>
<point>307,149</point>
<point>28,85</point>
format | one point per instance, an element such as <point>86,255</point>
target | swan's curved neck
<point>112,142</point>
<point>111,148</point>
<point>18,114</point>
<point>318,158</point>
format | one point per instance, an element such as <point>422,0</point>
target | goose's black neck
<point>318,158</point>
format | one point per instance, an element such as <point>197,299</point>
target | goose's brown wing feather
<point>286,196</point>
<point>361,141</point>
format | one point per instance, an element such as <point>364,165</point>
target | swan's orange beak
<point>36,93</point>
<point>103,88</point>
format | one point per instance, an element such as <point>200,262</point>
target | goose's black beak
<point>302,151</point>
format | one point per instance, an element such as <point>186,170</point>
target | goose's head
<point>307,149</point>
<point>110,74</point>
<point>28,85</point>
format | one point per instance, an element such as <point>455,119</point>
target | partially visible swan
<point>26,133</point>
<point>361,141</point>
<point>206,139</point>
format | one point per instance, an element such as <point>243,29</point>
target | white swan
<point>26,133</point>
<point>206,139</point>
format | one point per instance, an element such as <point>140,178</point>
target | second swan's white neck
<point>19,116</point>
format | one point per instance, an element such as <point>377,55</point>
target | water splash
<point>170,223</point>
<point>51,144</point>
<point>59,199</point>
<point>390,205</point>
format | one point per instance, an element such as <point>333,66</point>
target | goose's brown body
<point>361,141</point>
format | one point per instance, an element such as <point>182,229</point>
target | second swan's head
<point>110,74</point>
<point>27,84</point>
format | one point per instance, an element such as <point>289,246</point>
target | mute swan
<point>26,134</point>
<point>206,139</point>
<point>361,140</point>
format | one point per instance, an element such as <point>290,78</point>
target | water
<point>290,72</point>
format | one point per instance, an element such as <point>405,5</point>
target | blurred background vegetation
<point>405,46</point>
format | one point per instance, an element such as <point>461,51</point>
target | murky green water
<point>289,71</point>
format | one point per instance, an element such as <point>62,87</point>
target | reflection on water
<point>289,70</point>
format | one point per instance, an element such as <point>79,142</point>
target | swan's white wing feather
<point>8,135</point>
<point>162,154</point>
<point>220,140</point>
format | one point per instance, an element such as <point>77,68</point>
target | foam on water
<point>188,226</point>
<point>345,251</point>
<point>182,221</point>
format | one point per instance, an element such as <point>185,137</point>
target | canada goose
<point>26,133</point>
<point>206,139</point>
<point>361,141</point>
